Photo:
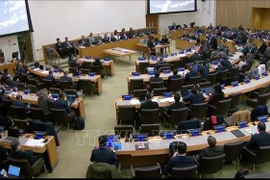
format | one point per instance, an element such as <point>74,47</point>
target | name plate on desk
<point>234,84</point>
<point>242,124</point>
<point>141,58</point>
<point>257,77</point>
<point>174,54</point>
<point>141,146</point>
<point>247,81</point>
<point>265,73</point>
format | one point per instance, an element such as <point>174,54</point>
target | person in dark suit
<point>51,77</point>
<point>173,27</point>
<point>156,78</point>
<point>69,46</point>
<point>3,156</point>
<point>73,62</point>
<point>194,97</point>
<point>161,63</point>
<point>180,159</point>
<point>164,40</point>
<point>212,150</point>
<point>67,78</point>
<point>204,70</point>
<point>60,48</point>
<point>123,34</point>
<point>149,104</point>
<point>106,38</point>
<point>210,26</point>
<point>18,71</point>
<point>174,76</point>
<point>82,41</point>
<point>176,105</point>
<point>132,33</point>
<point>185,35</point>
<point>103,154</point>
<point>61,103</point>
<point>218,95</point>
<point>213,42</point>
<point>18,103</point>
<point>97,62</point>
<point>45,101</point>
<point>259,140</point>
<point>191,73</point>
<point>151,45</point>
<point>17,153</point>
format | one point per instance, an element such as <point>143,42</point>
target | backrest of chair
<point>96,69</point>
<point>263,154</point>
<point>23,164</point>
<point>48,83</point>
<point>184,172</point>
<point>87,65</point>
<point>86,85</point>
<point>136,84</point>
<point>32,81</point>
<point>19,112</point>
<point>64,85</point>
<point>36,113</point>
<point>159,91</point>
<point>233,150</point>
<point>150,129</point>
<point>138,92</point>
<point>207,125</point>
<point>20,124</point>
<point>127,114</point>
<point>156,85</point>
<point>223,107</point>
<point>150,116</point>
<point>59,115</point>
<point>71,92</point>
<point>21,86</point>
<point>263,99</point>
<point>199,110</point>
<point>85,71</point>
<point>264,90</point>
<point>205,84</point>
<point>164,68</point>
<point>178,115</point>
<point>179,64</point>
<point>235,99</point>
<point>147,172</point>
<point>54,90</point>
<point>222,74</point>
<point>176,84</point>
<point>244,68</point>
<point>123,130</point>
<point>143,66</point>
<point>33,88</point>
<point>72,70</point>
<point>210,165</point>
<point>194,80</point>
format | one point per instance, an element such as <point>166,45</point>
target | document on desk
<point>124,50</point>
<point>170,99</point>
<point>134,101</point>
<point>162,100</point>
<point>45,72</point>
<point>35,142</point>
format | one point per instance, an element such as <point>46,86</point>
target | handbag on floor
<point>78,123</point>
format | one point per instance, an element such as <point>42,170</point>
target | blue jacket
<point>50,77</point>
<point>17,103</point>
<point>180,161</point>
<point>190,74</point>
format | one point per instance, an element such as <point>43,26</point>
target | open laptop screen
<point>14,170</point>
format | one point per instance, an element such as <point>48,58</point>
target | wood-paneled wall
<point>232,13</point>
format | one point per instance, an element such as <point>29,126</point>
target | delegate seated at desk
<point>151,45</point>
<point>173,27</point>
<point>191,73</point>
<point>210,26</point>
<point>180,159</point>
<point>61,103</point>
<point>69,46</point>
<point>194,97</point>
<point>204,70</point>
<point>217,96</point>
<point>18,103</point>
<point>91,39</point>
<point>45,101</point>
<point>82,41</point>
<point>116,35</point>
<point>52,78</point>
<point>103,154</point>
<point>149,104</point>
<point>65,77</point>
<point>174,76</point>
<point>212,150</point>
<point>161,63</point>
<point>123,34</point>
<point>60,48</point>
<point>106,38</point>
<point>185,35</point>
<point>212,41</point>
<point>176,105</point>
<point>73,62</point>
<point>156,78</point>
<point>132,33</point>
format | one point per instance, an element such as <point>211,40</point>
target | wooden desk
<point>108,65</point>
<point>159,149</point>
<point>9,66</point>
<point>48,147</point>
<point>184,44</point>
<point>33,99</point>
<point>156,46</point>
<point>120,52</point>
<point>98,50</point>
<point>96,79</point>
<point>180,32</point>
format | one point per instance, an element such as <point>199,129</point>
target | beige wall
<point>232,13</point>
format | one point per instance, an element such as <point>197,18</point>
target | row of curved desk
<point>159,148</point>
<point>96,78</point>
<point>108,65</point>
<point>32,98</point>
<point>10,66</point>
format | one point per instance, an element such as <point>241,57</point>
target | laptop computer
<point>13,134</point>
<point>14,171</point>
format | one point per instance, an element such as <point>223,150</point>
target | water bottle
<point>130,138</point>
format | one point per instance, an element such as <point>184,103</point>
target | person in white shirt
<point>241,63</point>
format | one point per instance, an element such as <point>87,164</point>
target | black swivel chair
<point>262,100</point>
<point>138,92</point>
<point>210,165</point>
<point>176,84</point>
<point>136,84</point>
<point>159,91</point>
<point>198,110</point>
<point>126,115</point>
<point>184,172</point>
<point>194,80</point>
<point>222,108</point>
<point>150,129</point>
<point>222,75</point>
<point>19,112</point>
<point>233,151</point>
<point>212,77</point>
<point>143,66</point>
<point>123,130</point>
<point>146,172</point>
<point>177,115</point>
<point>60,117</point>
<point>86,86</point>
<point>149,116</point>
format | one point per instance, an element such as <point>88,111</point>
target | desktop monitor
<point>14,170</point>
<point>13,133</point>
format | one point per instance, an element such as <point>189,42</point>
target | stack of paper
<point>35,142</point>
<point>44,72</point>
<point>134,101</point>
<point>170,99</point>
<point>162,100</point>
